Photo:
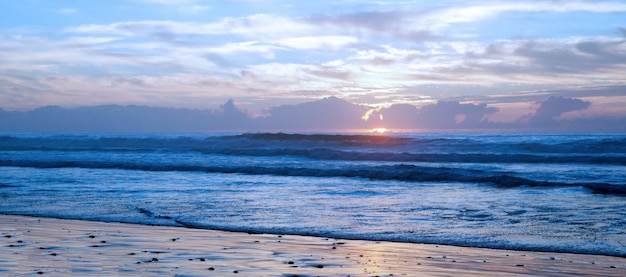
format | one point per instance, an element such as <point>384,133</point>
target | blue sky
<point>263,53</point>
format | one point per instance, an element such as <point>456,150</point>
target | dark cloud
<point>547,111</point>
<point>330,114</point>
<point>442,115</point>
<point>608,52</point>
<point>381,21</point>
<point>595,124</point>
<point>604,91</point>
<point>380,61</point>
<point>502,94</point>
<point>397,116</point>
<point>132,81</point>
<point>394,23</point>
<point>115,118</point>
<point>327,72</point>
<point>450,115</point>
<point>552,60</point>
<point>540,57</point>
<point>229,118</point>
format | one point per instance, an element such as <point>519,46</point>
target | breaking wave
<point>405,157</point>
<point>342,147</point>
<point>401,172</point>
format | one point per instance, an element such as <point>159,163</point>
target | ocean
<point>520,191</point>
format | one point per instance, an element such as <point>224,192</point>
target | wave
<point>416,142</point>
<point>344,147</point>
<point>153,217</point>
<point>399,172</point>
<point>347,139</point>
<point>332,154</point>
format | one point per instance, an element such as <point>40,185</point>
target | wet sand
<point>46,246</point>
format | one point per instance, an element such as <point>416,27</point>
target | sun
<point>379,130</point>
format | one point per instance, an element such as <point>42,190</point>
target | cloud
<point>377,54</point>
<point>544,61</point>
<point>131,81</point>
<point>380,21</point>
<point>471,13</point>
<point>88,41</point>
<point>450,115</point>
<point>330,114</point>
<point>329,73</point>
<point>435,21</point>
<point>397,116</point>
<point>548,110</point>
<point>579,57</point>
<point>257,26</point>
<point>595,124</point>
<point>377,24</point>
<point>266,51</point>
<point>115,118</point>
<point>317,42</point>
<point>388,55</point>
<point>230,117</point>
<point>290,78</point>
<point>272,37</point>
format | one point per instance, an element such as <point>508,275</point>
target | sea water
<point>544,192</point>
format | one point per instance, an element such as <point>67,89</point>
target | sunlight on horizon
<point>379,130</point>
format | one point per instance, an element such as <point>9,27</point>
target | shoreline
<point>41,246</point>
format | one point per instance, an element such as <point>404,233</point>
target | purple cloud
<point>547,111</point>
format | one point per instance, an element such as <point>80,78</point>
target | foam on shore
<point>47,246</point>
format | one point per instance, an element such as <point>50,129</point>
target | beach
<point>60,247</point>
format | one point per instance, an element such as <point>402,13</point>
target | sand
<point>46,246</point>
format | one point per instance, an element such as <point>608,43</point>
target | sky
<point>512,58</point>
